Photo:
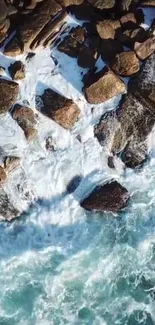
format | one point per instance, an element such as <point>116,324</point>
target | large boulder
<point>126,64</point>
<point>102,86</point>
<point>146,48</point>
<point>110,197</point>
<point>59,108</point>
<point>107,28</point>
<point>8,94</point>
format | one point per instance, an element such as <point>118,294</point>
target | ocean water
<point>59,264</point>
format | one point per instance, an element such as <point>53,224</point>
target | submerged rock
<point>59,108</point>
<point>8,94</point>
<point>7,210</point>
<point>108,197</point>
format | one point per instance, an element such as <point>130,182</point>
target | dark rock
<point>87,57</point>
<point>128,5</point>
<point>110,197</point>
<point>11,163</point>
<point>126,64</point>
<point>26,119</point>
<point>83,12</point>
<point>73,184</point>
<point>7,210</point>
<point>145,49</point>
<point>127,19</point>
<point>129,36</point>
<point>59,108</point>
<point>13,47</point>
<point>110,48</point>
<point>111,162</point>
<point>8,94</point>
<point>30,56</point>
<point>17,70</point>
<point>71,44</point>
<point>103,86</point>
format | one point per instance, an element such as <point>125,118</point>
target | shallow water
<point>58,264</point>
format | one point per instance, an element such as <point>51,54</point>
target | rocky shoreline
<point>111,31</point>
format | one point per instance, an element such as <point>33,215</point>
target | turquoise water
<point>99,269</point>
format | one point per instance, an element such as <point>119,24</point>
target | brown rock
<point>26,119</point>
<point>3,176</point>
<point>147,3</point>
<point>103,86</point>
<point>126,64</point>
<point>102,4</point>
<point>8,94</point>
<point>12,48</point>
<point>145,49</point>
<point>59,108</point>
<point>129,17</point>
<point>130,36</point>
<point>72,42</point>
<point>107,28</point>
<point>111,197</point>
<point>17,70</point>
<point>66,3</point>
<point>10,163</point>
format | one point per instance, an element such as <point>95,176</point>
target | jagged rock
<point>26,119</point>
<point>8,94</point>
<point>66,3</point>
<point>87,57</point>
<point>10,163</point>
<point>134,155</point>
<point>59,108</point>
<point>102,4</point>
<point>128,5</point>
<point>128,18</point>
<point>132,35</point>
<point>17,70</point>
<point>143,86</point>
<point>7,211</point>
<point>107,28</point>
<point>71,44</point>
<point>147,3</point>
<point>102,86</point>
<point>33,25</point>
<point>126,64</point>
<point>13,48</point>
<point>110,48</point>
<point>110,197</point>
<point>145,49</point>
<point>110,162</point>
<point>3,176</point>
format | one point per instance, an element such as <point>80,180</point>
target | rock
<point>73,184</point>
<point>66,3</point>
<point>2,70</point>
<point>107,28</point>
<point>17,70</point>
<point>34,23</point>
<point>147,3</point>
<point>10,163</point>
<point>128,5</point>
<point>13,47</point>
<point>4,30</point>
<point>3,176</point>
<point>110,197</point>
<point>126,64</point>
<point>143,86</point>
<point>26,119</point>
<point>8,94</point>
<point>50,145</point>
<point>102,86</point>
<point>30,56</point>
<point>145,49</point>
<point>83,12</point>
<point>134,156</point>
<point>71,44</point>
<point>110,48</point>
<point>127,19</point>
<point>130,36</point>
<point>111,162</point>
<point>87,57</point>
<point>59,108</point>
<point>7,210</point>
<point>102,4</point>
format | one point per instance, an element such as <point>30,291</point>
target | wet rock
<point>126,64</point>
<point>128,5</point>
<point>134,155</point>
<point>13,48</point>
<point>110,197</point>
<point>7,210</point>
<point>107,28</point>
<point>59,108</point>
<point>111,162</point>
<point>73,184</point>
<point>3,176</point>
<point>102,4</point>
<point>132,35</point>
<point>11,163</point>
<point>102,86</point>
<point>110,48</point>
<point>71,44</point>
<point>50,145</point>
<point>87,57</point>
<point>145,49</point>
<point>127,19</point>
<point>26,119</point>
<point>8,94</point>
<point>17,70</point>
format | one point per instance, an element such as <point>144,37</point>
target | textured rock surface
<point>17,70</point>
<point>59,108</point>
<point>102,4</point>
<point>26,119</point>
<point>8,94</point>
<point>126,64</point>
<point>145,49</point>
<point>108,197</point>
<point>102,86</point>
